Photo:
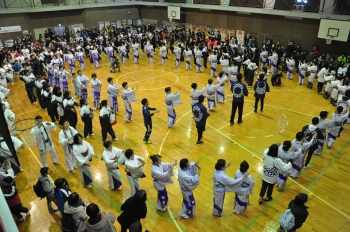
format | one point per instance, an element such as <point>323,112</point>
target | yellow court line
<point>336,209</point>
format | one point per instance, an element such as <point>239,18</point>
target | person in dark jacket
<point>133,209</point>
<point>147,119</point>
<point>260,88</point>
<point>239,90</point>
<point>10,193</point>
<point>200,115</point>
<point>299,210</point>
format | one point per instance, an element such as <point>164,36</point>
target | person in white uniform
<point>220,91</point>
<point>96,86</point>
<point>134,170</point>
<point>6,153</point>
<point>112,156</point>
<point>66,140</point>
<point>171,100</point>
<point>161,173</point>
<point>188,177</point>
<point>223,184</point>
<point>42,137</point>
<point>247,186</point>
<point>83,153</point>
<point>128,96</point>
<point>113,94</point>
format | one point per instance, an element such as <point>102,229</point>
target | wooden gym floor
<point>287,109</point>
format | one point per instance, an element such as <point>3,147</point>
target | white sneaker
<point>115,139</point>
<point>28,213</point>
<point>306,167</point>
<point>87,137</point>
<point>184,216</point>
<point>127,121</point>
<point>92,134</point>
<point>88,186</point>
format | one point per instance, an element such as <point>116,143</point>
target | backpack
<point>39,190</point>
<point>68,223</point>
<point>287,220</point>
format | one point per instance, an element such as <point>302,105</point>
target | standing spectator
<point>200,115</point>
<point>239,90</point>
<point>75,206</point>
<point>48,188</point>
<point>133,209</point>
<point>299,211</point>
<point>260,88</point>
<point>272,166</point>
<point>61,193</point>
<point>314,51</point>
<point>10,193</point>
<point>99,221</point>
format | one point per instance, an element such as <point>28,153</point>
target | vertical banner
<point>107,23</point>
<point>240,37</point>
<point>129,21</point>
<point>119,23</point>
<point>101,25</point>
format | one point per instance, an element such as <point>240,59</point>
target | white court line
<point>288,178</point>
<point>242,117</point>
<point>160,151</point>
<point>297,112</point>
<point>282,130</point>
<point>267,136</point>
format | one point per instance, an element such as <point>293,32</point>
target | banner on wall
<point>240,37</point>
<point>119,23</point>
<point>107,23</point>
<point>10,29</point>
<point>101,25</point>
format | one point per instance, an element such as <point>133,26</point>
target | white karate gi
<point>302,71</point>
<point>135,49</point>
<point>198,54</point>
<point>188,55</point>
<point>66,140</point>
<point>290,65</point>
<point>96,86</point>
<point>333,132</point>
<point>83,83</point>
<point>177,51</point>
<point>44,142</point>
<point>211,90</point>
<point>6,153</point>
<point>225,65</point>
<point>313,71</point>
<point>273,62</point>
<point>263,58</point>
<point>150,53</point>
<point>282,175</point>
<point>233,71</point>
<point>213,60</point>
<point>323,125</point>
<point>163,53</point>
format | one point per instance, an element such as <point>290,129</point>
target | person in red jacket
<point>14,202</point>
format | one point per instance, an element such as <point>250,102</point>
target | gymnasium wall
<point>89,17</point>
<point>303,32</point>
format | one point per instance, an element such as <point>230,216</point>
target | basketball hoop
<point>329,39</point>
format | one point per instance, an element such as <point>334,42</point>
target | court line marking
<point>160,151</point>
<point>293,181</point>
<point>229,123</point>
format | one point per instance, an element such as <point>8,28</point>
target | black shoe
<point>261,200</point>
<point>261,110</point>
<point>199,142</point>
<point>240,122</point>
<point>268,199</point>
<point>255,111</point>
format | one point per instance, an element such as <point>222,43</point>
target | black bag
<point>68,223</point>
<point>39,190</point>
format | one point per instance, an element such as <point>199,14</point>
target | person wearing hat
<point>99,221</point>
<point>242,194</point>
<point>272,166</point>
<point>287,156</point>
<point>260,88</point>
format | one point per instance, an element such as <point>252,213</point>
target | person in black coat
<point>299,210</point>
<point>200,115</point>
<point>133,209</point>
<point>260,88</point>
